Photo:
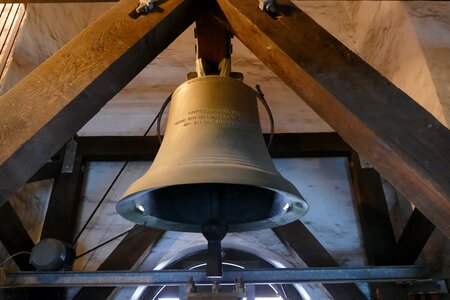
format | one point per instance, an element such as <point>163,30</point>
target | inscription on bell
<point>214,116</point>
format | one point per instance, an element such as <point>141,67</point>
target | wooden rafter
<point>14,236</point>
<point>44,110</point>
<point>62,212</point>
<point>405,143</point>
<point>374,219</point>
<point>415,235</point>
<point>209,31</point>
<point>297,237</point>
<point>123,257</point>
<point>118,148</point>
<point>56,1</point>
<point>375,224</point>
<point>48,171</point>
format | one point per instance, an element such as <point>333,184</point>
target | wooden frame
<point>294,235</point>
<point>43,111</point>
<point>405,143</point>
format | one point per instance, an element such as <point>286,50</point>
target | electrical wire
<point>260,94</point>
<point>157,119</point>
<point>137,146</point>
<point>14,255</point>
<point>102,244</point>
<point>158,123</point>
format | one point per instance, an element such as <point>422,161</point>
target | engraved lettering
<point>215,116</point>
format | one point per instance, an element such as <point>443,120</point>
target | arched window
<point>232,260</point>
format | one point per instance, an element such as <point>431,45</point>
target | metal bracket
<point>69,157</point>
<point>145,6</point>
<point>428,287</point>
<point>238,293</point>
<point>267,6</point>
<point>365,164</point>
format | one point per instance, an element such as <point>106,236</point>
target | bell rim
<point>127,208</point>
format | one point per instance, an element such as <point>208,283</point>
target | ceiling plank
<point>44,110</point>
<point>124,257</point>
<point>297,237</point>
<point>405,143</point>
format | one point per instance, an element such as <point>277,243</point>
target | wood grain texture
<point>405,143</point>
<point>213,42</point>
<point>54,101</point>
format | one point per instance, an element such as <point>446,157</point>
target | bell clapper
<point>214,231</point>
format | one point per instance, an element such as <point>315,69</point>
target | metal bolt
<point>239,285</point>
<point>190,286</point>
<point>215,288</point>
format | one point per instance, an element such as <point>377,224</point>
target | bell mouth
<point>186,207</point>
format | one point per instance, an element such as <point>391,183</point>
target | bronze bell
<point>213,164</point>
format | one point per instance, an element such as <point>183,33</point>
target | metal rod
<point>257,276</point>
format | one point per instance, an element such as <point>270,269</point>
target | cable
<point>103,244</point>
<point>260,94</point>
<point>137,146</point>
<point>158,124</point>
<point>14,255</point>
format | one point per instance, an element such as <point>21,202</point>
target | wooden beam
<point>415,235</point>
<point>62,212</point>
<point>213,42</point>
<point>48,171</point>
<point>376,226</point>
<point>124,257</point>
<point>58,1</point>
<point>405,143</point>
<point>60,218</point>
<point>328,144</point>
<point>116,148</point>
<point>14,237</point>
<point>79,1</point>
<point>44,110</point>
<point>297,237</point>
<point>375,222</point>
